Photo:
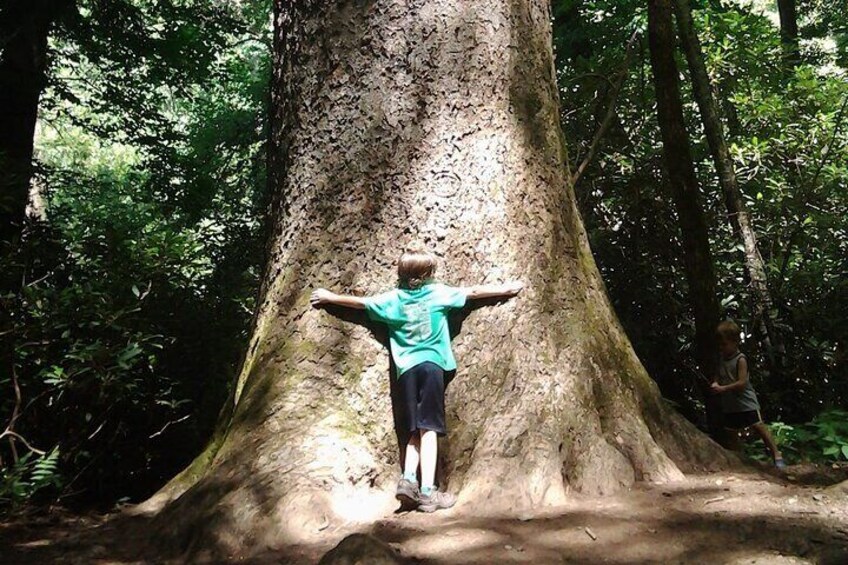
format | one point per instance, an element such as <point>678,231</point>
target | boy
<point>416,316</point>
<point>738,399</point>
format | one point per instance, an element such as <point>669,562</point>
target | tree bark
<point>789,31</point>
<point>432,121</point>
<point>680,173</point>
<point>24,27</point>
<point>737,214</point>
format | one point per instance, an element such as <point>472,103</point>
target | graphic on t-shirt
<point>417,320</point>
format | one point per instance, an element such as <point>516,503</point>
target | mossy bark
<point>431,121</point>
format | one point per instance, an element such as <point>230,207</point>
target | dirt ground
<point>721,518</point>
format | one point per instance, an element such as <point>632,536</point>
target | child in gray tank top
<point>738,400</point>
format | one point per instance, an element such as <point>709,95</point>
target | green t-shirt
<point>418,323</point>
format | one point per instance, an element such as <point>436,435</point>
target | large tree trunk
<point>432,121</point>
<point>737,214</point>
<point>680,172</point>
<point>789,31</point>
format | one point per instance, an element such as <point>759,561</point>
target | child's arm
<point>741,378</point>
<point>323,296</point>
<point>493,290</point>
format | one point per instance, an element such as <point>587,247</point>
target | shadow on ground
<point>727,518</point>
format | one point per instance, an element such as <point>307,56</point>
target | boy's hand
<point>716,388</point>
<point>321,296</point>
<point>513,288</point>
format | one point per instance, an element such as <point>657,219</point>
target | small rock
<point>361,548</point>
<point>507,547</point>
<point>818,497</point>
<point>719,482</point>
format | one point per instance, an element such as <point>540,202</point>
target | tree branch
<point>610,113</point>
<point>16,436</point>
<point>15,411</point>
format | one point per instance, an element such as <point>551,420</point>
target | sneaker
<point>436,500</point>
<point>780,464</point>
<point>407,493</point>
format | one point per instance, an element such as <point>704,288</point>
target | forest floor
<point>751,517</point>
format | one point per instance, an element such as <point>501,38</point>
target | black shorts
<point>421,398</point>
<point>742,420</point>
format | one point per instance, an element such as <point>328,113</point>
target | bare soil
<point>752,517</point>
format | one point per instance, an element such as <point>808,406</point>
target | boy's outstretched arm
<point>493,290</point>
<point>323,296</point>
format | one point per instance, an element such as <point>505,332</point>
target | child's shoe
<point>780,464</point>
<point>435,500</point>
<point>407,493</point>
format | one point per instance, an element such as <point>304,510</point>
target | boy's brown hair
<point>415,268</point>
<point>728,330</point>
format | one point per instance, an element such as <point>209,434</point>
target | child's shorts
<point>422,395</point>
<point>742,420</point>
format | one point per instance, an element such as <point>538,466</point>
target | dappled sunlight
<point>448,543</point>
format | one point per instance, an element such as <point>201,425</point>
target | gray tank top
<point>743,400</point>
